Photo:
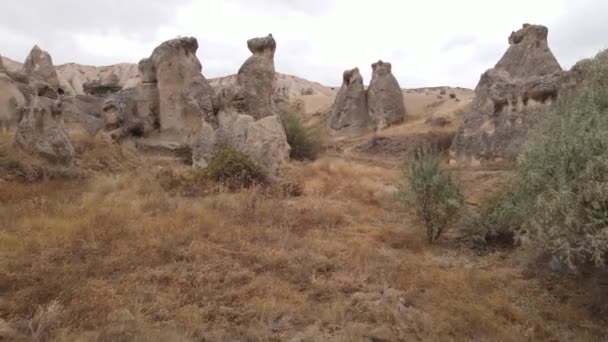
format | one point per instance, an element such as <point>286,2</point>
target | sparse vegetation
<point>305,142</point>
<point>430,190</point>
<point>559,196</point>
<point>234,169</point>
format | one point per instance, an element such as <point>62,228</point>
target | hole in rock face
<point>544,95</point>
<point>499,106</point>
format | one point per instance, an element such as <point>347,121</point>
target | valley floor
<point>115,257</point>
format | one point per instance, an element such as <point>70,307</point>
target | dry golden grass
<point>115,257</point>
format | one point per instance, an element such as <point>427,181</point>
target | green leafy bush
<point>305,142</point>
<point>234,169</point>
<point>559,196</point>
<point>429,189</point>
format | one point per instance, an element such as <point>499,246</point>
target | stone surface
<point>103,87</point>
<point>39,67</point>
<point>528,53</point>
<point>349,114</point>
<point>185,96</point>
<point>384,96</point>
<point>511,98</point>
<point>11,101</point>
<point>41,131</point>
<point>263,140</point>
<point>257,77</point>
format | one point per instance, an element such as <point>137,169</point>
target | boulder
<point>256,77</point>
<point>39,66</point>
<point>349,114</point>
<point>172,99</point>
<point>41,130</point>
<point>511,98</point>
<point>11,100</point>
<point>263,140</point>
<point>384,96</point>
<point>528,53</point>
<point>184,95</point>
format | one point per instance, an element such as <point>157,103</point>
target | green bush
<point>429,189</point>
<point>234,169</point>
<point>305,142</point>
<point>559,195</point>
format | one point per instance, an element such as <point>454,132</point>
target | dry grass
<point>128,260</point>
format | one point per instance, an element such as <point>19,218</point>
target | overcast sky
<point>429,43</point>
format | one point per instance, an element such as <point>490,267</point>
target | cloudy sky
<point>429,43</point>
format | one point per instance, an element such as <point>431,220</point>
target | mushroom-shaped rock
<point>384,96</point>
<point>529,53</point>
<point>511,98</point>
<point>185,96</point>
<point>349,114</point>
<point>41,130</point>
<point>39,67</point>
<point>257,77</point>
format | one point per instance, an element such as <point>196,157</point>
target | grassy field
<point>115,256</point>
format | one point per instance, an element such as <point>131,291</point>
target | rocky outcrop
<point>11,100</point>
<point>41,131</point>
<point>511,98</point>
<point>528,53</point>
<point>185,96</point>
<point>263,140</point>
<point>39,66</point>
<point>173,98</point>
<point>384,97</point>
<point>350,114</point>
<point>256,77</point>
<point>103,87</point>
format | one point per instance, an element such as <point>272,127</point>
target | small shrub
<point>430,190</point>
<point>234,169</point>
<point>45,320</point>
<point>305,142</point>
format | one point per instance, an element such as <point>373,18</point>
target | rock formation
<point>263,140</point>
<point>511,97</point>
<point>173,97</point>
<point>528,53</point>
<point>103,87</point>
<point>41,131</point>
<point>185,96</point>
<point>39,66</point>
<point>11,100</point>
<point>349,114</point>
<point>384,96</point>
<point>256,77</point>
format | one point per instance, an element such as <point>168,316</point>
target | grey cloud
<point>53,24</point>
<point>310,7</point>
<point>132,17</point>
<point>459,42</point>
<point>581,32</point>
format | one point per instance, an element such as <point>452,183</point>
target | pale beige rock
<point>384,96</point>
<point>349,114</point>
<point>39,67</point>
<point>511,98</point>
<point>185,96</point>
<point>257,77</point>
<point>11,101</point>
<point>41,131</point>
<point>529,53</point>
<point>263,140</point>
